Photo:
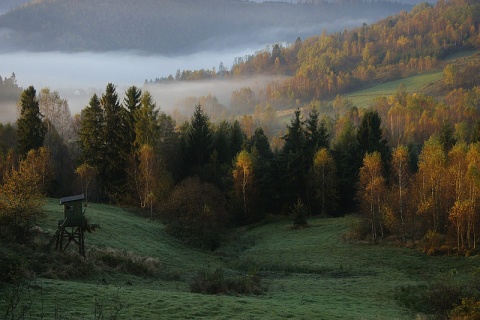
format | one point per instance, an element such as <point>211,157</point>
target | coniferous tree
<point>236,138</point>
<point>132,102</point>
<point>370,135</point>
<point>92,133</point>
<point>198,142</point>
<point>265,180</point>
<point>112,172</point>
<point>169,147</point>
<point>292,162</point>
<point>447,138</point>
<point>146,127</point>
<point>31,130</point>
<point>346,152</point>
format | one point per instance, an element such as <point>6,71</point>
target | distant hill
<point>175,27</point>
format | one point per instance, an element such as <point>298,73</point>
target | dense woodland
<point>175,27</point>
<point>409,164</point>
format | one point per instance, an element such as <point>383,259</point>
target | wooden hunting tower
<point>73,225</point>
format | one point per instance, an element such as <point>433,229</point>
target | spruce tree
<point>112,172</point>
<point>31,130</point>
<point>198,142</point>
<point>370,135</point>
<point>132,102</point>
<point>92,132</point>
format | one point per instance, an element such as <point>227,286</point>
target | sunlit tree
<point>21,194</point>
<point>400,182</point>
<point>243,179</point>
<point>87,175</point>
<point>325,180</point>
<point>370,192</point>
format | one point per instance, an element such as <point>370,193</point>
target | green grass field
<point>364,98</point>
<point>311,273</point>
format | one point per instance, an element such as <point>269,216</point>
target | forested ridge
<point>322,67</point>
<point>174,27</point>
<point>408,165</point>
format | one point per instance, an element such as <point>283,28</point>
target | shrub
<point>468,309</point>
<point>10,268</point>
<point>196,213</point>
<point>299,213</point>
<point>437,297</point>
<point>126,262</point>
<point>217,283</point>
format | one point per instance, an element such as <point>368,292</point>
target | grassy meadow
<point>311,273</point>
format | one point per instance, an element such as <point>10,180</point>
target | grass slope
<point>311,274</point>
<point>416,83</point>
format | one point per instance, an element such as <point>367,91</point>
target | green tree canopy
<point>31,130</point>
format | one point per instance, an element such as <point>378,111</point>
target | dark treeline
<point>202,178</point>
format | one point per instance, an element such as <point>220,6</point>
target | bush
<point>10,268</point>
<point>299,213</point>
<point>196,213</point>
<point>468,309</point>
<point>438,297</point>
<point>217,283</point>
<point>126,262</point>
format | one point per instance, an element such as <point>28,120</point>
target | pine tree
<point>146,127</point>
<point>92,133</point>
<point>293,162</point>
<point>132,103</point>
<point>370,135</point>
<point>346,152</point>
<point>31,130</point>
<point>198,142</point>
<point>112,172</point>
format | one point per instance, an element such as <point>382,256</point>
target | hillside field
<point>312,273</point>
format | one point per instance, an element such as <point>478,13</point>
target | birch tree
<point>243,178</point>
<point>400,182</point>
<point>325,175</point>
<point>371,190</point>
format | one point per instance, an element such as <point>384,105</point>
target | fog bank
<point>77,75</point>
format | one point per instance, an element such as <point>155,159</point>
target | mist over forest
<point>78,47</point>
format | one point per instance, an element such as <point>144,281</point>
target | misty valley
<point>227,159</point>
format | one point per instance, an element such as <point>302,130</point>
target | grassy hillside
<point>311,273</point>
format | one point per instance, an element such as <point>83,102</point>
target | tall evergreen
<point>236,138</point>
<point>198,142</point>
<point>292,162</point>
<point>447,138</point>
<point>112,172</point>
<point>146,127</point>
<point>267,197</point>
<point>132,102</point>
<point>31,130</point>
<point>221,144</point>
<point>92,132</point>
<point>346,152</point>
<point>370,135</point>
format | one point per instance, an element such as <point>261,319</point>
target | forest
<point>131,153</point>
<point>408,165</point>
